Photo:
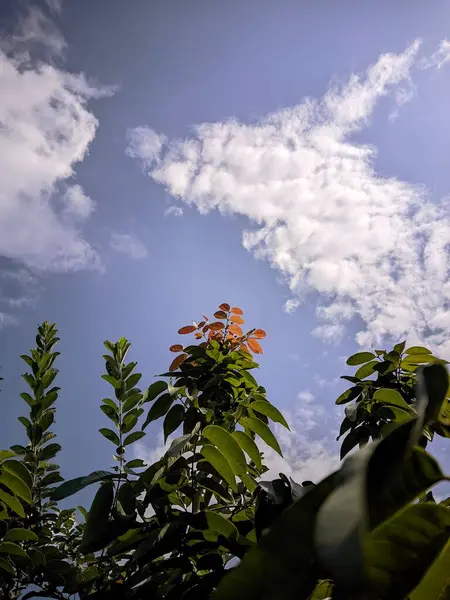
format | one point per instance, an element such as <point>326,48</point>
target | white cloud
<point>145,144</point>
<point>45,130</point>
<point>439,58</point>
<point>291,304</point>
<point>174,211</point>
<point>36,28</point>
<point>77,204</point>
<point>129,244</point>
<point>374,247</point>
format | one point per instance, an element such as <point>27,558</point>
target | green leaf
<point>136,463</point>
<point>418,350</point>
<point>110,435</point>
<point>179,446</point>
<point>211,484</point>
<point>400,551</point>
<point>6,566</point>
<point>366,370</point>
<point>133,380</point>
<point>433,384</point>
<point>113,381</point>
<point>131,402</point>
<point>97,521</point>
<point>109,402</point>
<point>11,548</point>
<point>133,437</point>
<point>349,395</point>
<point>173,420</point>
<point>12,503</point>
<point>281,564</point>
<point>263,431</point>
<point>268,409</point>
<point>360,358</point>
<point>248,446</point>
<point>154,390</point>
<point>49,451</point>
<point>16,485</point>
<point>221,464</point>
<point>217,522</point>
<point>73,486</point>
<point>158,409</point>
<point>228,446</point>
<point>18,534</point>
<point>110,413</point>
<point>359,435</point>
<point>400,347</point>
<point>435,584</point>
<point>392,397</point>
<point>4,454</point>
<point>129,422</point>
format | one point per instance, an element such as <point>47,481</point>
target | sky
<point>160,158</point>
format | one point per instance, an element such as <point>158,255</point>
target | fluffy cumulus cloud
<point>128,244</point>
<point>374,248</point>
<point>45,130</point>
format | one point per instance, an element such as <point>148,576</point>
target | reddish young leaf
<point>187,329</point>
<point>237,319</point>
<point>233,328</point>
<point>177,361</point>
<point>225,307</point>
<point>205,328</point>
<point>259,334</point>
<point>220,314</point>
<point>254,346</point>
<point>203,345</point>
<point>198,335</point>
<point>206,318</point>
<point>245,349</point>
<point>237,311</point>
<point>201,324</point>
<point>176,348</point>
<point>216,326</point>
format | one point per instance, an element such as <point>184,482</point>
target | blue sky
<point>157,159</point>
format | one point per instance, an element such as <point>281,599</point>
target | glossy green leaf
<point>131,402</point>
<point>433,384</point>
<point>49,451</point>
<point>263,431</point>
<point>113,381</point>
<point>136,463</point>
<point>19,469</point>
<point>222,525</point>
<point>133,437</point>
<point>228,446</point>
<point>132,381</point>
<point>173,420</point>
<point>5,454</point>
<point>179,446</point>
<point>111,403</point>
<point>221,464</point>
<point>436,583</point>
<point>211,484</point>
<point>399,552</point>
<point>110,435</point>
<point>360,358</point>
<point>392,397</point>
<point>154,390</point>
<point>7,567</point>
<point>349,395</point>
<point>16,485</point>
<point>248,446</point>
<point>158,409</point>
<point>12,502</point>
<point>18,534</point>
<point>14,549</point>
<point>270,411</point>
<point>129,422</point>
<point>68,488</point>
<point>418,350</point>
<point>110,413</point>
<point>97,520</point>
<point>366,370</point>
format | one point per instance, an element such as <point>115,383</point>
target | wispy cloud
<point>46,129</point>
<point>174,211</point>
<point>129,244</point>
<point>374,247</point>
<point>439,58</point>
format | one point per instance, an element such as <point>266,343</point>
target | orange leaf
<point>177,361</point>
<point>220,314</point>
<point>237,311</point>
<point>198,335</point>
<point>176,348</point>
<point>235,329</point>
<point>187,329</point>
<point>259,334</point>
<point>216,326</point>
<point>205,328</point>
<point>254,346</point>
<point>237,319</point>
<point>203,345</point>
<point>245,349</point>
<point>225,307</point>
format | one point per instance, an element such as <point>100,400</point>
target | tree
<point>166,529</point>
<point>175,528</point>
